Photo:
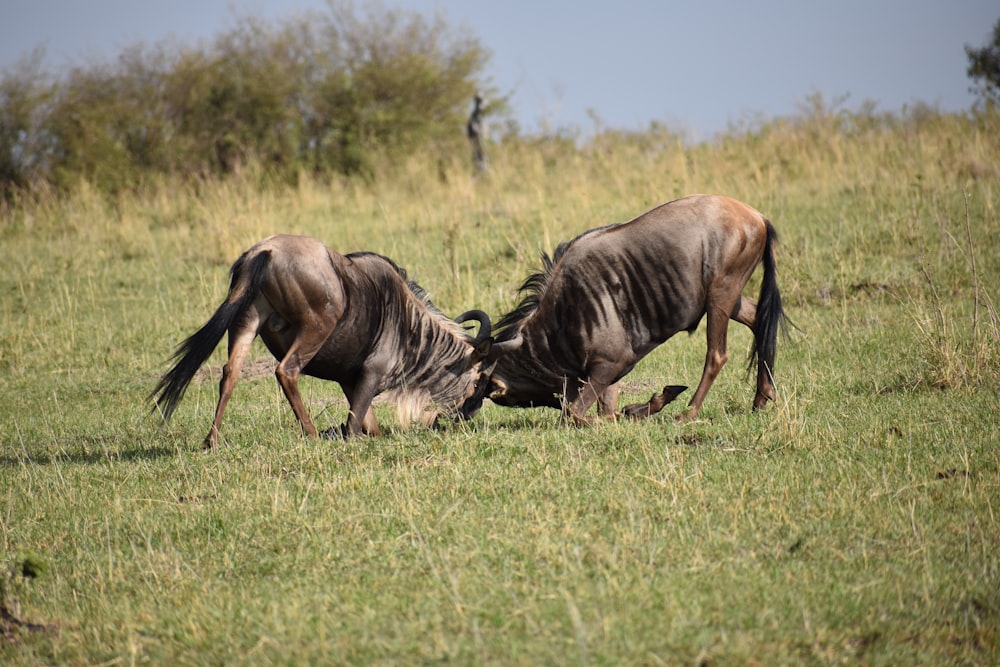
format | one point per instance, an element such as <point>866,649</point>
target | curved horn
<point>500,349</point>
<point>508,345</point>
<point>485,326</point>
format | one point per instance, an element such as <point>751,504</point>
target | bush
<point>984,67</point>
<point>323,92</point>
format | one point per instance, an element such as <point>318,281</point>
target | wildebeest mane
<point>534,286</point>
<point>416,289</point>
<point>531,290</point>
<point>422,295</point>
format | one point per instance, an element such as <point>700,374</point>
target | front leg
<point>607,403</point>
<point>368,427</point>
<point>361,416</point>
<point>577,401</point>
<point>600,384</point>
<point>655,404</point>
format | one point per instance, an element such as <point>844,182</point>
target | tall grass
<point>855,521</point>
<point>960,349</point>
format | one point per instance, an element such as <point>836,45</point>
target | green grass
<point>856,521</point>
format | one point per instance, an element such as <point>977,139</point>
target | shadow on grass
<point>89,452</point>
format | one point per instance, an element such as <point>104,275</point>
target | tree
<point>339,91</point>
<point>984,67</point>
<point>24,96</point>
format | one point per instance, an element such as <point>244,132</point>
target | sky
<point>698,67</point>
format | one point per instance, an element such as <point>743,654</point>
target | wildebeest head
<point>486,352</point>
<point>523,377</point>
<point>512,383</point>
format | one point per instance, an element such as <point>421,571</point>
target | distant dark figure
<point>474,130</point>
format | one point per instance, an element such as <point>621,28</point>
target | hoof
<point>671,392</point>
<point>686,416</point>
<point>338,432</point>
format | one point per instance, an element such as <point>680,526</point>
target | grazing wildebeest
<point>610,296</point>
<point>354,319</point>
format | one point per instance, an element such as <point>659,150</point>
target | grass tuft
<point>958,351</point>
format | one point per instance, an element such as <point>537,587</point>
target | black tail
<point>246,277</point>
<point>770,315</point>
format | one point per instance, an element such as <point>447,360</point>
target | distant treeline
<point>335,92</point>
<point>323,92</point>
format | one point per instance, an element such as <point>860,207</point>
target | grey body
<point>613,294</point>
<point>353,319</point>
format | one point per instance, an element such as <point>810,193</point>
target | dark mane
<point>531,289</point>
<point>534,286</point>
<point>412,285</point>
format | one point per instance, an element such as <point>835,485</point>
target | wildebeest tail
<point>770,315</point>
<point>246,276</point>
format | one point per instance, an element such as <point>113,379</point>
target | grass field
<point>856,521</point>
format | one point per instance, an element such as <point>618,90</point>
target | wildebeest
<point>610,296</point>
<point>354,319</point>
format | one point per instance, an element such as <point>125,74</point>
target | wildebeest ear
<point>495,389</point>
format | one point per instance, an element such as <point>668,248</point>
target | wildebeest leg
<point>600,377</point>
<point>717,325</point>
<point>656,403</point>
<point>307,342</point>
<point>578,400</point>
<point>368,424</point>
<point>240,337</point>
<point>746,314</point>
<point>607,402</point>
<point>359,398</point>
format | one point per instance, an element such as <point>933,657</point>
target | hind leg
<point>240,338</point>
<point>717,324</point>
<point>746,314</point>
<point>307,341</point>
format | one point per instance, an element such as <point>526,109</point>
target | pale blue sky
<point>695,66</point>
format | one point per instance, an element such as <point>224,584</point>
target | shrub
<point>323,92</point>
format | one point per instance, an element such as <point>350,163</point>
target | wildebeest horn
<point>507,345</point>
<point>485,326</point>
